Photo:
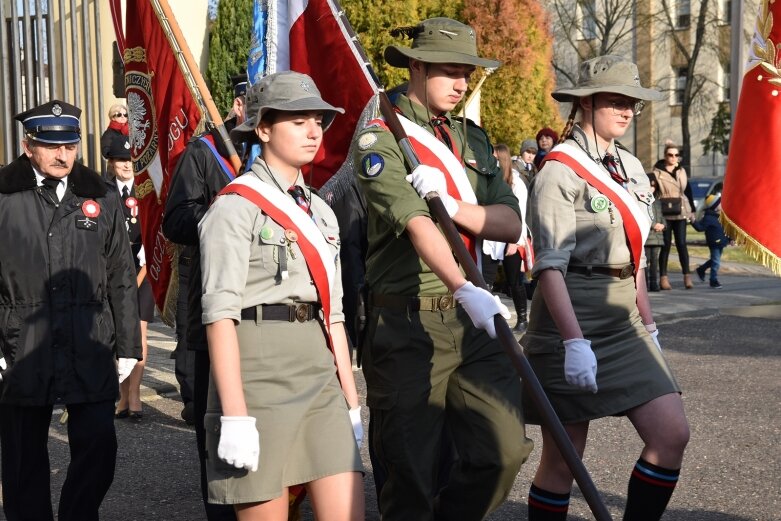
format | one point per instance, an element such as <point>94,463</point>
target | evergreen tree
<point>229,42</point>
<point>720,129</point>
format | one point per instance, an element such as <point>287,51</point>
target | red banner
<point>162,116</point>
<point>752,186</point>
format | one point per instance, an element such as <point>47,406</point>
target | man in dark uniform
<point>202,171</point>
<point>68,300</point>
<point>430,362</point>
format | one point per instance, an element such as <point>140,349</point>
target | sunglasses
<point>673,155</point>
<point>119,115</point>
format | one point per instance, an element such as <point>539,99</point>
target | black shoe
<point>188,413</point>
<point>521,326</point>
<point>120,415</point>
<point>700,273</point>
<point>715,284</point>
<point>136,415</point>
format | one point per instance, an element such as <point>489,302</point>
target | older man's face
<point>51,160</point>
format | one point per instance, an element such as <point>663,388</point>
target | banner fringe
<point>750,245</point>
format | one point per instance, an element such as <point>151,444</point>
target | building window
<point>726,11</point>
<point>725,81</point>
<point>683,13</point>
<point>588,19</point>
<point>680,85</point>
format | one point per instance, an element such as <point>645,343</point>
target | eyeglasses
<point>621,106</point>
<point>673,155</point>
<point>119,115</point>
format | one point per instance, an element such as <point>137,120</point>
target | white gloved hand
<point>655,337</point>
<point>3,366</point>
<point>239,442</point>
<point>426,179</point>
<point>355,418</point>
<point>580,364</point>
<point>124,367</point>
<point>481,307</point>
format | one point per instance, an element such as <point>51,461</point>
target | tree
<point>229,42</point>
<point>717,141</point>
<point>516,99</point>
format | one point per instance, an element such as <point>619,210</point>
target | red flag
<point>163,115</point>
<point>752,186</point>
<point>319,44</point>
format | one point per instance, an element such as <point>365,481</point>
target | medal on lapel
<point>132,204</point>
<point>90,208</point>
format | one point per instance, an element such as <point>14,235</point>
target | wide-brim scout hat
<point>119,148</point>
<point>54,122</point>
<point>287,91</point>
<point>608,73</point>
<point>438,40</point>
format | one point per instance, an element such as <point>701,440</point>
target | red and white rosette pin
<point>90,208</point>
<point>132,205</point>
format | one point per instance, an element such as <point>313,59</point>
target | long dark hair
<point>505,162</point>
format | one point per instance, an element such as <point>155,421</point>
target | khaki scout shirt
<point>393,267</point>
<point>240,255</point>
<point>566,229</point>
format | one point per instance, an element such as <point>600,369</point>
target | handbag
<point>671,205</point>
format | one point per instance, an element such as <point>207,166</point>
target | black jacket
<point>197,180</point>
<point>67,290</point>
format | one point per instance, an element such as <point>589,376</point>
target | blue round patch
<point>372,165</point>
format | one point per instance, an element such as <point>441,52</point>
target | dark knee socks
<point>650,489</point>
<point>547,506</point>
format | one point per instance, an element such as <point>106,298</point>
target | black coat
<point>67,290</point>
<point>197,180</point>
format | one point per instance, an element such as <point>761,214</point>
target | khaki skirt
<point>630,369</point>
<point>290,386</point>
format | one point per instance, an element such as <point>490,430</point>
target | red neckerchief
<point>120,127</point>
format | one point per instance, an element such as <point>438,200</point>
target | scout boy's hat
<point>288,91</point>
<point>438,40</point>
<point>54,122</point>
<point>607,74</point>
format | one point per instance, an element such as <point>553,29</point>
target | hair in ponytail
<point>570,121</point>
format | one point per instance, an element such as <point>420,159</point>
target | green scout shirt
<point>393,267</point>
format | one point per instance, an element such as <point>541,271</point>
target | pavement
<point>749,290</point>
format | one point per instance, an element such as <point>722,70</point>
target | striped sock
<point>650,489</point>
<point>547,506</point>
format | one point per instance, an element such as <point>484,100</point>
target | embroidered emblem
<point>366,141</point>
<point>372,165</point>
<point>90,208</point>
<point>85,223</point>
<point>599,203</point>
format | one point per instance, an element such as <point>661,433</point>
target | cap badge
<point>127,145</point>
<point>448,33</point>
<point>305,85</point>
<point>56,109</point>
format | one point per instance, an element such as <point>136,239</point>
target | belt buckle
<point>301,313</point>
<point>444,303</point>
<point>626,272</point>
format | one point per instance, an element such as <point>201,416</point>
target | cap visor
<point>640,93</point>
<point>56,138</point>
<point>399,57</point>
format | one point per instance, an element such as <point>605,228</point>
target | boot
<point>654,286</point>
<point>687,281</point>
<point>519,301</point>
<point>664,282</point>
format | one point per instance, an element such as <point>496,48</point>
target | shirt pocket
<point>600,211</point>
<point>330,230</point>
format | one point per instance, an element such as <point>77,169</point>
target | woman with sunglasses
<point>592,340</point>
<point>678,211</point>
<point>117,129</point>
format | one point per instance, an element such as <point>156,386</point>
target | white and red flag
<point>752,186</point>
<point>163,115</point>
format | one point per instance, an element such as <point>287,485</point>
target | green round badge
<point>599,203</point>
<point>266,233</point>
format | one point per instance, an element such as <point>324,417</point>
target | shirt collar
<point>122,184</point>
<point>586,143</point>
<point>39,178</point>
<point>416,112</point>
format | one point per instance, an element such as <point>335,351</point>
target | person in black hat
<point>202,171</point>
<point>118,155</point>
<point>68,290</point>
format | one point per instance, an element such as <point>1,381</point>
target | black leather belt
<point>619,273</point>
<point>282,312</point>
<point>398,302</point>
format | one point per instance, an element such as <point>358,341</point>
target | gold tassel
<point>751,246</point>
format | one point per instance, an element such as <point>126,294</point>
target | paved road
<point>722,345</point>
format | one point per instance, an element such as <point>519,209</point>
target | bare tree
<point>590,28</point>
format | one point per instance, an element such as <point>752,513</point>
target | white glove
<point>355,417</point>
<point>481,307</point>
<point>655,337</point>
<point>124,367</point>
<point>239,442</point>
<point>426,179</point>
<point>141,256</point>
<point>3,366</point>
<point>580,364</point>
